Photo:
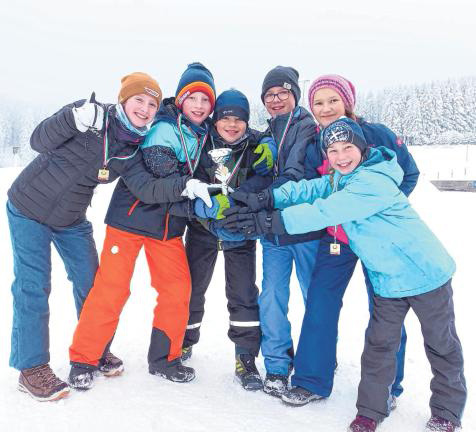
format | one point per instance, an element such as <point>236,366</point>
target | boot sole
<point>171,379</point>
<point>255,387</point>
<point>273,393</point>
<point>113,373</point>
<point>297,404</point>
<point>54,397</point>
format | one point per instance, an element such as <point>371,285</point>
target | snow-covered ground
<point>137,401</point>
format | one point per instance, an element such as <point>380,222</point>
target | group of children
<point>340,186</point>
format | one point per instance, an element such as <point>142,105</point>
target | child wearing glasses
<point>293,130</point>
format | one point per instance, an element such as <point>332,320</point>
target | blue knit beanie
<point>232,103</point>
<point>195,78</point>
<point>282,76</point>
<point>343,130</point>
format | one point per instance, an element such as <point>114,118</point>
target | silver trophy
<point>220,156</point>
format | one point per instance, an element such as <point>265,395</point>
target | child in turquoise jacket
<point>407,264</point>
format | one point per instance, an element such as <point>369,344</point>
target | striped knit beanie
<point>341,85</point>
<point>196,78</point>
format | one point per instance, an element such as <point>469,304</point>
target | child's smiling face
<point>197,107</point>
<point>230,128</point>
<point>344,157</point>
<point>278,101</point>
<point>140,109</point>
<point>327,106</point>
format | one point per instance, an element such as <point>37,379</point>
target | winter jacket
<point>376,135</point>
<point>57,186</point>
<point>165,157</point>
<point>240,164</point>
<point>291,159</point>
<point>402,256</point>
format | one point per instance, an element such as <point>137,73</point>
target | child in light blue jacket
<point>407,264</point>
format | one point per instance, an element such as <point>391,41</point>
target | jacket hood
<point>384,161</point>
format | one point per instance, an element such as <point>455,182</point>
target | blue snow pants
<point>315,359</point>
<point>276,341</point>
<point>31,246</point>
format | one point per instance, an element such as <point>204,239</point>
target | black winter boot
<point>246,373</point>
<point>81,378</point>
<point>174,371</point>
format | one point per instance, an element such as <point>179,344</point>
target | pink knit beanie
<point>341,85</point>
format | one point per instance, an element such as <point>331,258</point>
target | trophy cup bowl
<point>220,156</point>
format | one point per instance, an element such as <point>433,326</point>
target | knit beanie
<point>196,78</point>
<point>344,130</point>
<point>282,76</point>
<point>232,103</point>
<point>341,85</point>
<point>138,83</point>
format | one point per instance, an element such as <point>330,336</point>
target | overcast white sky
<point>56,51</point>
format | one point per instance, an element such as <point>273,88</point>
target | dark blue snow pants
<point>315,358</point>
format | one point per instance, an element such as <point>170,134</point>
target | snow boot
<point>42,384</point>
<point>110,365</point>
<point>299,396</point>
<point>363,424</point>
<point>275,384</point>
<point>246,373</point>
<point>439,424</point>
<point>186,353</point>
<point>174,371</point>
<point>81,377</point>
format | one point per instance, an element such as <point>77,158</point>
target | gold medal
<point>103,174</point>
<point>334,249</point>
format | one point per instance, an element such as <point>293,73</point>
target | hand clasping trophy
<point>220,156</point>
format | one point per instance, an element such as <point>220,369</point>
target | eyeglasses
<point>282,96</point>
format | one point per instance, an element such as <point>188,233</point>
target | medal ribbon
<point>191,167</point>
<point>283,136</point>
<point>106,145</point>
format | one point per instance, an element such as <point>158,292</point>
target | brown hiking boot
<point>42,384</point>
<point>110,365</point>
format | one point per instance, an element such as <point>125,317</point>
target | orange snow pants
<point>170,276</point>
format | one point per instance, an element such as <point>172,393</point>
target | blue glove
<point>224,234</point>
<point>267,149</point>
<point>220,203</point>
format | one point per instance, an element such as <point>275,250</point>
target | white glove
<point>196,189</point>
<point>89,115</point>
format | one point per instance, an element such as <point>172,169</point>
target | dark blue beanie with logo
<point>344,129</point>
<point>232,103</point>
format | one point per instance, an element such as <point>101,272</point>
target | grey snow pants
<point>435,311</point>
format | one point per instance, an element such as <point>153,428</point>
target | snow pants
<point>316,353</point>
<point>435,311</point>
<point>276,343</point>
<point>240,289</point>
<point>31,247</point>
<point>170,277</point>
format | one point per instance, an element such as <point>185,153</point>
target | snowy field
<point>137,401</point>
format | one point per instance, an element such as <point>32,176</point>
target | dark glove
<point>254,224</point>
<point>252,201</point>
